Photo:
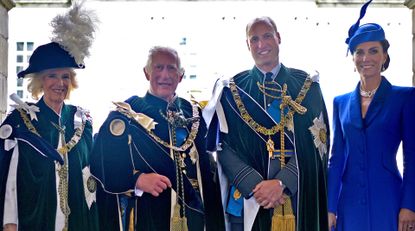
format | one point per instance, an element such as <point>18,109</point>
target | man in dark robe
<point>269,126</point>
<point>150,157</point>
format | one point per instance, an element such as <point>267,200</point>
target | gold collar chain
<point>263,88</point>
<point>190,139</point>
<point>69,145</point>
<point>294,106</point>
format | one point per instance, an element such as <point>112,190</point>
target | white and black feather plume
<point>74,31</point>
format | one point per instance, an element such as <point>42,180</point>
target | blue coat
<point>365,187</point>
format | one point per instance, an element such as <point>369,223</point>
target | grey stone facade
<point>5,6</point>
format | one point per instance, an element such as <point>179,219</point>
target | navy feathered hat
<point>364,33</point>
<point>49,56</point>
<point>73,34</point>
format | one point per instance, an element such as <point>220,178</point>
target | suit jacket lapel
<point>355,111</point>
<point>378,101</point>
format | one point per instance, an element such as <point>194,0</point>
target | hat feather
<point>74,31</point>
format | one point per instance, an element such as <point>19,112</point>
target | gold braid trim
<point>263,88</point>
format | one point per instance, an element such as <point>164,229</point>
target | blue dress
<point>365,187</point>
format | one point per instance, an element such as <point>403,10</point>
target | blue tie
<point>273,103</point>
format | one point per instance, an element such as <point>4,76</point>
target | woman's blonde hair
<point>35,83</point>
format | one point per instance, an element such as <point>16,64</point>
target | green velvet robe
<point>36,181</point>
<point>117,161</point>
<point>251,149</point>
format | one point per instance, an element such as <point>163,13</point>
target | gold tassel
<point>283,218</point>
<point>131,225</point>
<point>178,223</point>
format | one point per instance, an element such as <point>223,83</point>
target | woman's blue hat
<point>364,33</point>
<point>73,33</point>
<point>49,56</point>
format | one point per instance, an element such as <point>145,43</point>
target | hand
<point>332,220</point>
<point>10,227</point>
<point>406,220</point>
<point>152,183</point>
<point>269,193</point>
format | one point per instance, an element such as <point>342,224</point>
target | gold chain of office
<point>190,138</point>
<point>65,148</point>
<point>294,106</point>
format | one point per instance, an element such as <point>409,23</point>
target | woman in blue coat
<point>365,189</point>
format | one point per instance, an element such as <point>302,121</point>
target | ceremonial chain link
<point>65,148</point>
<point>63,190</point>
<point>295,106</point>
<point>190,139</point>
<point>263,89</point>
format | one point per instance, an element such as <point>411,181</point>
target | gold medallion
<point>236,194</point>
<point>117,127</point>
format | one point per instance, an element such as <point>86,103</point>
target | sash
<point>38,143</point>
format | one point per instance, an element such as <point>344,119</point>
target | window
<point>20,93</point>
<point>28,58</point>
<point>19,69</point>
<point>192,76</point>
<point>29,46</point>
<point>20,82</point>
<point>19,58</point>
<point>20,46</point>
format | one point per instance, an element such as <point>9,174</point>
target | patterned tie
<point>268,85</point>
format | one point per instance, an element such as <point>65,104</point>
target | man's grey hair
<point>165,50</point>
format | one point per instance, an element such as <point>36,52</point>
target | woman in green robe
<point>45,183</point>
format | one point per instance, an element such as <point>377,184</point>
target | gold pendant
<point>236,194</point>
<point>270,147</point>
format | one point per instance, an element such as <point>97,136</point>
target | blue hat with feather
<point>364,33</point>
<point>73,34</point>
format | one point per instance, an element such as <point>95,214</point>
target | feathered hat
<point>365,33</point>
<point>72,37</point>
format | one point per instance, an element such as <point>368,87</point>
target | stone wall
<point>5,6</point>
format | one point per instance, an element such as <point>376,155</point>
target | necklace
<point>367,94</point>
<point>69,145</point>
<point>263,88</point>
<point>286,120</point>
